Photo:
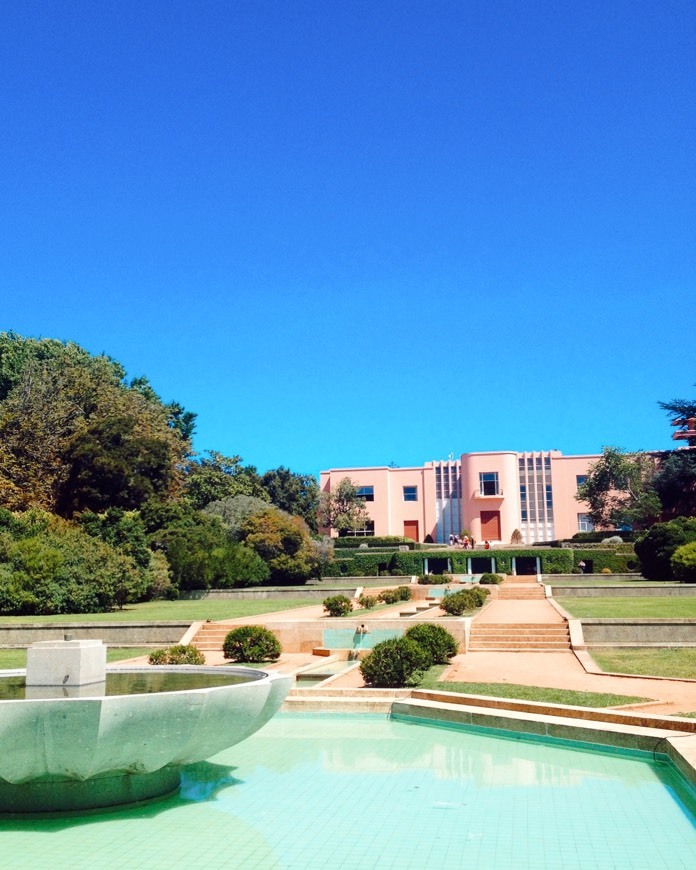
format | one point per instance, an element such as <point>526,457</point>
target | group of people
<point>459,541</point>
<point>466,542</point>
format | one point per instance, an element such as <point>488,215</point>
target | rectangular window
<point>488,483</point>
<point>410,493</point>
<point>580,479</point>
<point>367,493</point>
<point>585,523</point>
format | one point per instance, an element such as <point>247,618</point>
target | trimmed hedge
<point>337,605</point>
<point>560,560</point>
<point>251,643</point>
<point>181,654</point>
<point>435,640</point>
<point>395,663</point>
<point>468,599</point>
<point>383,541</point>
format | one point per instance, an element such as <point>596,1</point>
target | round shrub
<point>490,579</point>
<point>403,592</point>
<point>389,596</point>
<point>467,599</point>
<point>395,663</point>
<point>683,562</point>
<point>367,601</point>
<point>435,640</point>
<point>606,571</point>
<point>181,654</point>
<point>614,539</point>
<point>251,643</point>
<point>337,605</point>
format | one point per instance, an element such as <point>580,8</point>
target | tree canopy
<point>342,508</point>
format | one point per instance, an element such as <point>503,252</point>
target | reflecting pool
<point>324,791</point>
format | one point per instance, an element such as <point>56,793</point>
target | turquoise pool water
<point>348,638</point>
<point>360,792</point>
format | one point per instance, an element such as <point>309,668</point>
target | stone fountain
<point>71,744</point>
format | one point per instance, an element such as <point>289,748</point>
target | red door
<point>411,529</point>
<point>490,525</point>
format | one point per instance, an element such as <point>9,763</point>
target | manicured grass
<point>525,693</point>
<point>17,658</point>
<point>672,662</point>
<point>626,608</point>
<point>178,611</point>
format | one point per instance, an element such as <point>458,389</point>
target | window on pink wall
<point>410,493</point>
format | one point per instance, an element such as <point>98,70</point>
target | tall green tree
<point>216,477</point>
<point>296,494</point>
<point>284,543</point>
<point>74,435</point>
<point>619,490</point>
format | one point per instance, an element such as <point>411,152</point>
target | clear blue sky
<point>354,233</point>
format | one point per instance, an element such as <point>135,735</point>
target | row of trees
<point>103,501</point>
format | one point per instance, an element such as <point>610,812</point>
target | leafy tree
<point>619,490</point>
<point>55,567</point>
<point>233,512</point>
<point>283,542</point>
<point>73,435</point>
<point>342,508</point>
<point>657,546</point>
<point>217,477</point>
<point>296,494</point>
<point>675,484</point>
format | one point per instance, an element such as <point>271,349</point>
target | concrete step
<point>501,643</point>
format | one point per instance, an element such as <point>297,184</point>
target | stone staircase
<point>519,637</point>
<point>211,635</point>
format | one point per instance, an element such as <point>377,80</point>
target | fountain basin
<point>74,753</point>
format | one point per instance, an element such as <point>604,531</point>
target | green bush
<point>683,562</point>
<point>367,601</point>
<point>354,543</point>
<point>395,663</point>
<point>435,640</point>
<point>337,605</point>
<point>434,579</point>
<point>403,592</point>
<point>251,643</point>
<point>490,579</point>
<point>389,596</point>
<point>182,654</point>
<point>657,546</point>
<point>467,599</point>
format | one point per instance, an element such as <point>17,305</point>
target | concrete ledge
<point>633,591</point>
<point>112,633</point>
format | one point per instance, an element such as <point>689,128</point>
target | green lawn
<point>672,662</point>
<point>178,611</point>
<point>525,693</point>
<point>626,608</point>
<point>17,658</point>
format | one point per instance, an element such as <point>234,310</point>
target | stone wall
<point>112,633</point>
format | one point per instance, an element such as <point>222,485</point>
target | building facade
<point>491,495</point>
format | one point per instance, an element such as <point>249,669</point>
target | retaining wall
<point>622,591</point>
<point>639,632</point>
<point>112,633</point>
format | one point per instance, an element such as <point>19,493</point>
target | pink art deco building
<point>489,494</point>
